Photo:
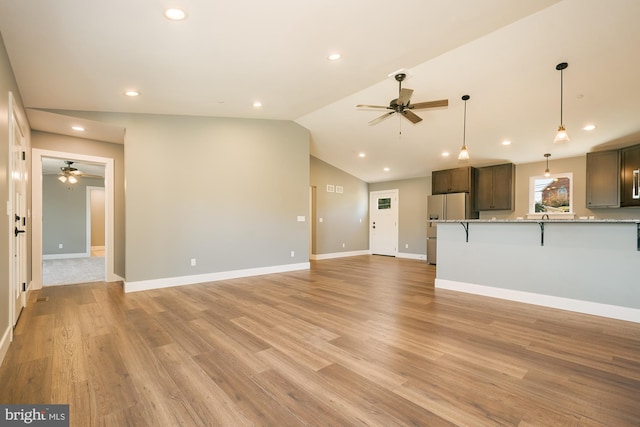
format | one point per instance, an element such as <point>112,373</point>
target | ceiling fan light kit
<point>464,153</point>
<point>561,135</point>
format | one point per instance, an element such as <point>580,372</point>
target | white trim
<point>587,307</point>
<point>316,257</point>
<point>36,206</point>
<point>411,256</point>
<point>63,256</point>
<point>168,282</point>
<point>5,342</point>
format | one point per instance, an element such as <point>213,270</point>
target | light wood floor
<point>355,341</point>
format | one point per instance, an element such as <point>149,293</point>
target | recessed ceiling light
<point>506,142</point>
<point>78,128</point>
<point>386,169</point>
<point>362,155</point>
<point>257,104</point>
<point>589,127</point>
<point>445,154</point>
<point>132,93</point>
<point>175,14</point>
<point>334,57</point>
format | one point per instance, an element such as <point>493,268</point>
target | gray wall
<point>70,144</point>
<point>8,84</point>
<point>226,192</point>
<point>412,213</point>
<point>64,215</point>
<point>345,216</point>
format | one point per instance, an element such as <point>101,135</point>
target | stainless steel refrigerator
<point>445,207</point>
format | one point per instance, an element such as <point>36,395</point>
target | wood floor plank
<point>356,341</point>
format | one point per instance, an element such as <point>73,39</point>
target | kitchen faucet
<point>543,216</point>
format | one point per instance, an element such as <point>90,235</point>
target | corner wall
<point>344,216</point>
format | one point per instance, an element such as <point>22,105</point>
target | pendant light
<point>547,172</point>
<point>562,135</point>
<point>464,153</point>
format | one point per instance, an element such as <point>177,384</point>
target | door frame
<point>396,194</point>
<point>21,272</point>
<point>36,206</point>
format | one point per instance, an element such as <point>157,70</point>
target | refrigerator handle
<point>636,184</point>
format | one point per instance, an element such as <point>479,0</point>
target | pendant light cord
<point>561,96</point>
<point>464,126</point>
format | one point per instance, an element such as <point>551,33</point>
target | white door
<point>18,219</point>
<point>383,217</point>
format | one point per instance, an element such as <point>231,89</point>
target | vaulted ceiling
<point>83,55</point>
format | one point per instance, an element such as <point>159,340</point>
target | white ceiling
<point>81,55</point>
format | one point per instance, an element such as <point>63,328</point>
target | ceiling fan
<point>71,174</point>
<point>402,104</point>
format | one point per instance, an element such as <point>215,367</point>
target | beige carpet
<point>73,270</point>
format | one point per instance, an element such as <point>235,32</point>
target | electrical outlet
<point>293,253</point>
<point>193,262</point>
<point>60,245</point>
<point>406,246</point>
<point>344,245</point>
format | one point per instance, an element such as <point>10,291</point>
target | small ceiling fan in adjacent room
<point>402,104</point>
<point>70,174</point>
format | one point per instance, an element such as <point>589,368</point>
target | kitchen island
<point>588,266</point>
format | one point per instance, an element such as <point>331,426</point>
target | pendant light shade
<point>562,135</point>
<point>464,153</point>
<point>547,172</point>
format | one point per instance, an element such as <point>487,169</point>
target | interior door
<point>18,274</point>
<point>383,213</point>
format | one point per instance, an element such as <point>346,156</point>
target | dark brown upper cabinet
<point>603,179</point>
<point>495,187</point>
<point>458,180</point>
<point>630,176</point>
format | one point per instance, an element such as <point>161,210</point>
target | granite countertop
<point>536,221</point>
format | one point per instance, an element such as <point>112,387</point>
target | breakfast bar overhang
<point>588,266</point>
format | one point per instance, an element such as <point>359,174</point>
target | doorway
<point>37,199</point>
<point>383,231</point>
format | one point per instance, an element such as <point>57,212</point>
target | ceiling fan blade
<point>87,175</point>
<point>381,118</point>
<point>413,118</point>
<point>430,104</point>
<point>405,96</point>
<point>372,107</point>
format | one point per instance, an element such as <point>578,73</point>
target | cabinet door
<point>460,180</point>
<point>630,176</point>
<point>484,189</point>
<point>440,182</point>
<point>503,187</point>
<point>603,179</point>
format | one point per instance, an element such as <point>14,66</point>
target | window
<point>552,195</point>
<point>384,203</point>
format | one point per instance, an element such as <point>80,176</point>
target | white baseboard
<point>144,285</point>
<point>62,256</point>
<point>411,256</point>
<point>338,255</point>
<point>7,337</point>
<point>587,307</point>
